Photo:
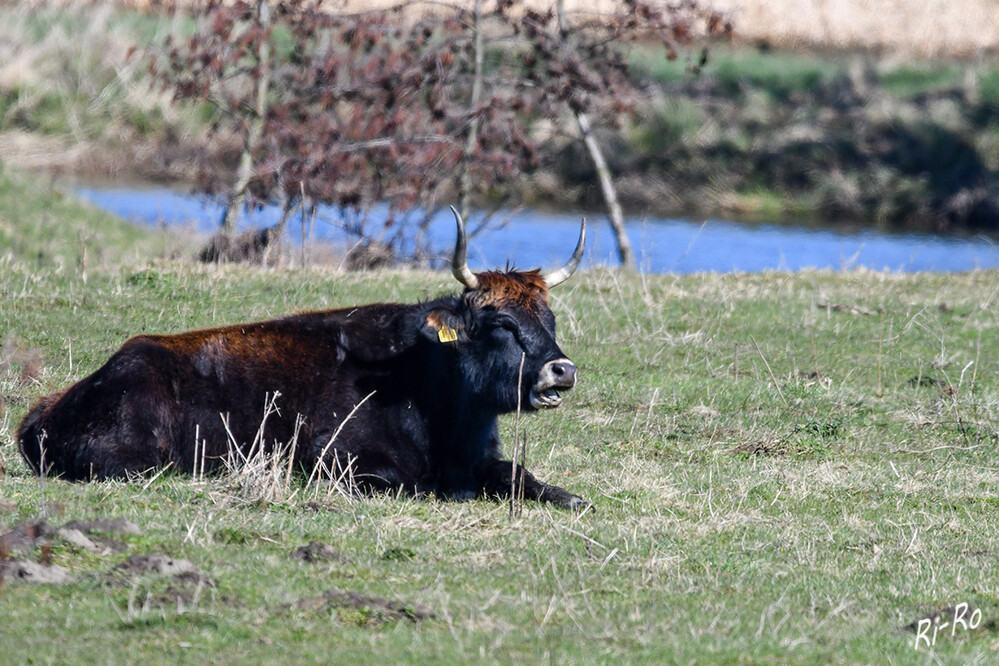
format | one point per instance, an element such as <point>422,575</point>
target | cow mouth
<point>547,398</point>
<point>556,375</point>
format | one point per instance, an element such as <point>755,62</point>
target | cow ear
<point>443,326</point>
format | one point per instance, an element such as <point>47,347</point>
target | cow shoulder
<point>384,331</point>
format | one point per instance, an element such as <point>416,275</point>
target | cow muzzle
<point>555,376</point>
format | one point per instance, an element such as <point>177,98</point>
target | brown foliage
<point>375,106</point>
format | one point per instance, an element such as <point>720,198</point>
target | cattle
<point>394,396</point>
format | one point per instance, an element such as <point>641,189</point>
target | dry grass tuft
<point>83,97</point>
<point>929,28</point>
<point>26,361</point>
<point>267,473</point>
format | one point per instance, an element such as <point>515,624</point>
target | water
<point>532,238</point>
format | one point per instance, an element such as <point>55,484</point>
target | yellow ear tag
<point>446,334</point>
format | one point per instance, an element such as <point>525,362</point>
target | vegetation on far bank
<point>785,467</point>
<point>851,138</point>
<point>906,144</point>
<point>43,228</point>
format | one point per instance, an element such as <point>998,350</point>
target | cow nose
<point>564,372</point>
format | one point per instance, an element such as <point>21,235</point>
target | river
<point>532,238</point>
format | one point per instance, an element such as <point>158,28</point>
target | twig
<point>581,536</point>
<point>772,376</point>
<point>523,470</point>
<point>204,445</point>
<point>194,460</point>
<point>299,422</point>
<point>336,433</point>
<point>881,330</point>
<point>516,438</point>
<point>158,474</point>
<point>43,471</point>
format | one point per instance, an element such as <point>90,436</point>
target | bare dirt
<point>376,610</point>
<point>26,571</point>
<point>31,543</point>
<point>316,552</point>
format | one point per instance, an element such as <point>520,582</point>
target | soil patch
<point>24,537</point>
<point>186,582</point>
<point>944,616</point>
<point>157,564</point>
<point>248,247</point>
<point>851,309</point>
<point>762,448</point>
<point>318,552</point>
<point>115,526</point>
<point>369,610</point>
<point>25,571</point>
<point>80,540</point>
<point>182,571</point>
<point>27,536</point>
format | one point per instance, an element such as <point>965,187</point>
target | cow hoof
<point>578,504</point>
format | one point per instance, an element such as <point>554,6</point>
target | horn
<point>557,277</point>
<point>459,263</point>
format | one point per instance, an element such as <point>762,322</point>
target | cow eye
<point>508,323</point>
<point>509,326</point>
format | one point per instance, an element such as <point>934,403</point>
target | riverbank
<point>854,138</point>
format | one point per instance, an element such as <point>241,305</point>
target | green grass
<point>988,88</point>
<point>44,231</point>
<point>762,203</point>
<point>652,62</point>
<point>785,468</point>
<point>784,74</point>
<point>908,80</point>
<point>672,122</point>
<point>779,77</point>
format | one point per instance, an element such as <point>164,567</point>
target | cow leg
<point>495,480</point>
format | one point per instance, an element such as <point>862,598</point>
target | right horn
<point>557,277</point>
<point>459,262</point>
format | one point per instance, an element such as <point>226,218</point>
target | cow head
<point>503,317</point>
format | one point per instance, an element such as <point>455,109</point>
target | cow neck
<point>460,425</point>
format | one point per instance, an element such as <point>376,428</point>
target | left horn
<point>557,277</point>
<point>459,263</point>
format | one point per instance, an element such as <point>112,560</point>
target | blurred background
<point>732,135</point>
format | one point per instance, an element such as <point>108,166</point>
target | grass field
<point>784,467</point>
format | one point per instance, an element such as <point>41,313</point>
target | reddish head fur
<point>518,289</point>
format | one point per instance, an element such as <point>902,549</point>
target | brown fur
<point>517,289</point>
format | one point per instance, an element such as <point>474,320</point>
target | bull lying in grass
<point>399,396</point>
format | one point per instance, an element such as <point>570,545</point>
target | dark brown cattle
<point>401,396</point>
